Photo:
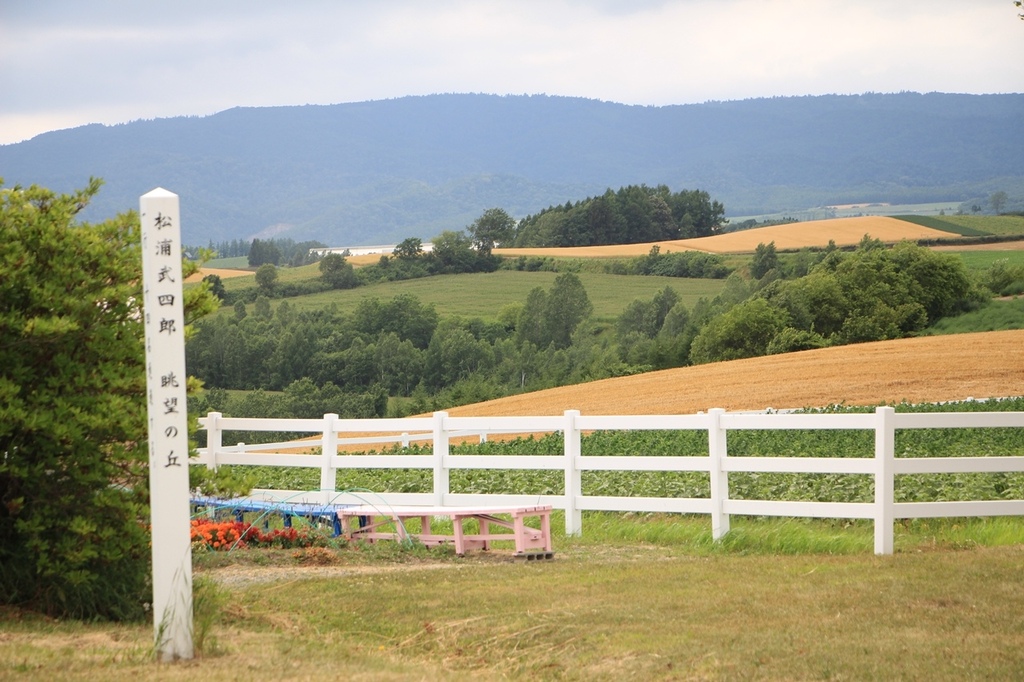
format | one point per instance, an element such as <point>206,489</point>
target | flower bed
<point>228,535</point>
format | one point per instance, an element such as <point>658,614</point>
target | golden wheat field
<point>927,369</point>
<point>843,231</point>
<point>924,369</point>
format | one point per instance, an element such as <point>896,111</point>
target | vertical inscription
<point>164,318</point>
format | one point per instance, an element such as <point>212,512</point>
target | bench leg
<point>485,530</point>
<point>545,529</point>
<point>519,530</point>
<point>460,538</point>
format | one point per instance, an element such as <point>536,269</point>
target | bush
<point>72,409</point>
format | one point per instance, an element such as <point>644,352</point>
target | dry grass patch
<point>652,613</point>
<point>223,273</point>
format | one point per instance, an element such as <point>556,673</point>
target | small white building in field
<point>365,250</point>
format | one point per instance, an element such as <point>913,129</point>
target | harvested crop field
<point>816,233</point>
<point>925,369</point>
<point>364,259</point>
<point>223,273</point>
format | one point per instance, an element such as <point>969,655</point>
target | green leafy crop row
<point>768,486</point>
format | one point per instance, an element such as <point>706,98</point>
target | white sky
<point>65,63</point>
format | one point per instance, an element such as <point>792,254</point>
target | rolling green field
<point>284,274</point>
<point>824,213</point>
<point>1003,225</point>
<point>980,260</point>
<point>484,294</point>
<point>997,315</point>
<point>239,262</point>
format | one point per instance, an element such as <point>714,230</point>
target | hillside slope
<point>378,172</point>
<point>925,369</point>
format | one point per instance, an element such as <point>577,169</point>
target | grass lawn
<point>982,260</point>
<point>636,598</point>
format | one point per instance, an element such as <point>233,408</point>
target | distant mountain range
<point>378,172</point>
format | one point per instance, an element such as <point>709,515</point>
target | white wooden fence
<point>441,428</point>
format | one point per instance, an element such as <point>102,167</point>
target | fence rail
<point>441,428</point>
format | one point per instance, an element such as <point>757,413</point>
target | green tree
<point>397,363</point>
<point>266,277</point>
<point>263,252</point>
<point>998,201</point>
<point>541,230</point>
<point>745,331</point>
<point>262,308</point>
<point>216,286</point>
<point>454,355</point>
<point>765,260</point>
<point>646,317</point>
<point>73,453</point>
<point>817,302</point>
<point>567,306</point>
<point>404,315</point>
<point>531,327</point>
<point>633,214</point>
<point>336,272</point>
<point>639,317</point>
<point>495,226</point>
<point>409,249</point>
<point>453,252</point>
<point>790,340</point>
<point>695,213</point>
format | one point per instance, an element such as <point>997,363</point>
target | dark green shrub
<point>72,409</point>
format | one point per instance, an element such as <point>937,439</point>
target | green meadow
<point>483,294</point>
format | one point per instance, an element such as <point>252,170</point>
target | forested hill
<point>377,172</point>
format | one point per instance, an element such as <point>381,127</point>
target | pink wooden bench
<point>388,523</point>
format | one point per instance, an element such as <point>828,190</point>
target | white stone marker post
<point>168,424</point>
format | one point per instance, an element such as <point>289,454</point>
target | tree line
<point>259,251</point>
<point>632,215</point>
<point>401,346</point>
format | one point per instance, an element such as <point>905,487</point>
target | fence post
<point>573,476</point>
<point>214,439</point>
<point>441,478</point>
<point>885,488</point>
<point>718,450</point>
<point>328,450</point>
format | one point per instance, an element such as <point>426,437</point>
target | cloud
<point>117,60</point>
